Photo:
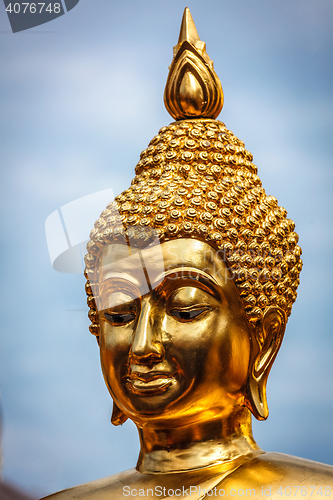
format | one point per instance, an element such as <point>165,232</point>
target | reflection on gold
<point>193,89</point>
<point>191,276</point>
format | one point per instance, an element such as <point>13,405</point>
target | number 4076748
<point>32,8</point>
<point>304,491</point>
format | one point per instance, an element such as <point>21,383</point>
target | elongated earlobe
<point>272,328</point>
<point>117,417</point>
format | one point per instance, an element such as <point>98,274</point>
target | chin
<point>153,401</point>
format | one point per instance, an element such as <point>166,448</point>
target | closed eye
<point>119,319</point>
<point>187,314</point>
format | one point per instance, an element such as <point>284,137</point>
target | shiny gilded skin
<point>176,359</point>
<point>261,477</point>
<point>190,329</point>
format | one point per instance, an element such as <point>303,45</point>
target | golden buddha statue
<point>191,276</point>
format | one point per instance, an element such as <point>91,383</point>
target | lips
<point>150,382</point>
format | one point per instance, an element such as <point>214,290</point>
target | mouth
<point>149,383</point>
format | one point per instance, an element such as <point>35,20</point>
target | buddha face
<point>174,338</point>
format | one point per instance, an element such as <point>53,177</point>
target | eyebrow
<point>185,270</point>
<point>117,275</point>
<point>191,273</point>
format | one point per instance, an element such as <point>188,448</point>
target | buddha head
<point>192,271</point>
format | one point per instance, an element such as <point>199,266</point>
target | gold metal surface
<point>197,180</point>
<point>268,476</point>
<point>159,353</point>
<point>191,276</point>
<point>193,89</point>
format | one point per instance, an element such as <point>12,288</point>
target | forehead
<point>154,262</point>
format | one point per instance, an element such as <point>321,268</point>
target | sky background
<point>80,98</point>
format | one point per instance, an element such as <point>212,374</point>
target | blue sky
<point>80,98</point>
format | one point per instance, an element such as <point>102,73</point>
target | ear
<point>117,417</point>
<point>271,330</point>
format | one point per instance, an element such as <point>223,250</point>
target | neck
<point>223,443</point>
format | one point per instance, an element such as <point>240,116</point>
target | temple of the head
<point>191,276</point>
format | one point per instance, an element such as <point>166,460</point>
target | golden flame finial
<point>193,90</point>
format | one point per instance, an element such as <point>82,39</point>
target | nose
<point>146,347</point>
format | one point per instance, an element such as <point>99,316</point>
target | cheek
<point>114,349</point>
<point>223,349</point>
<point>186,339</point>
<point>196,345</point>
<point>240,358</point>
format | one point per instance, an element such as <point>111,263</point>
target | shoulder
<point>276,475</point>
<point>272,475</point>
